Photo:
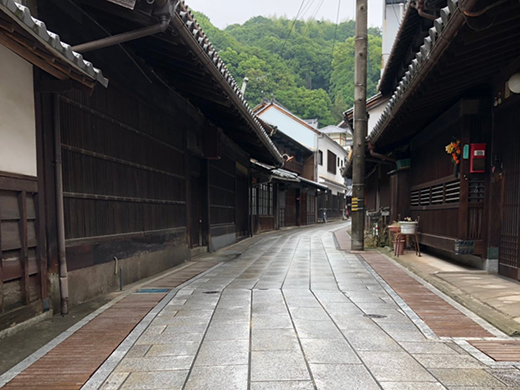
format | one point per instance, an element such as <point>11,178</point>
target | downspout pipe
<point>378,155</point>
<point>124,37</point>
<point>419,6</point>
<point>60,215</point>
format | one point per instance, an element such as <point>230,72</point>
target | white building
<point>329,155</point>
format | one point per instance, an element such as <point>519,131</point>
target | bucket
<point>399,246</point>
<point>408,227</point>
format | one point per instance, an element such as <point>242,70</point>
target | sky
<point>225,12</point>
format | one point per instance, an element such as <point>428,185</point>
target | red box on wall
<point>477,158</point>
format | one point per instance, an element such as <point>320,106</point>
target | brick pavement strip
<point>440,316</point>
<point>71,363</point>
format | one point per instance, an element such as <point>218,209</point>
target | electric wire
<point>292,26</point>
<point>335,33</point>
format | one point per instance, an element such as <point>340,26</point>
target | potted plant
<point>394,227</point>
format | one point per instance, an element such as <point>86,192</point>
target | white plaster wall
<point>17,118</point>
<point>326,143</point>
<point>289,126</point>
<point>374,115</point>
<point>393,13</point>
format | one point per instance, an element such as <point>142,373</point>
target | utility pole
<point>360,128</point>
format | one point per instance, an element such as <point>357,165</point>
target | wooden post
<point>360,128</point>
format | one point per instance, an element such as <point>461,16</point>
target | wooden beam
<point>31,57</point>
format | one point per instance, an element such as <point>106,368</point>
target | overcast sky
<point>225,12</point>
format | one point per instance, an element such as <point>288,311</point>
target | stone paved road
<point>293,312</point>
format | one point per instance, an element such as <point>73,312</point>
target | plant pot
<point>408,227</point>
<point>394,228</point>
<point>399,246</point>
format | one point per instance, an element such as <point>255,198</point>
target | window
<point>320,157</point>
<point>338,161</point>
<point>331,162</point>
<point>265,199</point>
<point>253,200</point>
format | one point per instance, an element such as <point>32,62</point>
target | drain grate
<point>153,290</point>
<point>374,316</point>
<point>211,292</point>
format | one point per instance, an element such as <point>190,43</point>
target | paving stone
<point>395,367</point>
<point>431,348</point>
<point>179,348</point>
<point>223,353</point>
<point>509,376</point>
<point>278,366</point>
<point>155,380</point>
<point>342,377</point>
<point>411,386</point>
<point>218,377</point>
<point>138,351</point>
<point>371,341</point>
<point>225,331</point>
<point>448,361</point>
<point>310,313</point>
<point>169,338</point>
<point>317,330</point>
<point>467,377</point>
<point>274,340</point>
<point>164,363</point>
<point>285,385</point>
<point>269,321</point>
<point>114,381</point>
<point>329,351</point>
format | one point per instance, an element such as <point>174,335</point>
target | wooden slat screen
<point>123,165</point>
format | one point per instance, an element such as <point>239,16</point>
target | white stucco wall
<point>326,143</point>
<point>393,13</point>
<point>289,126</point>
<point>374,115</point>
<point>17,117</point>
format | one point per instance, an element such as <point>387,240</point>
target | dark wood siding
<point>22,265</point>
<point>123,170</point>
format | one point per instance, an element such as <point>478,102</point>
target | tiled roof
<point>411,77</point>
<point>37,29</point>
<point>214,60</point>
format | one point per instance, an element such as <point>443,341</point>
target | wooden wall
<point>123,173</point>
<point>22,258</point>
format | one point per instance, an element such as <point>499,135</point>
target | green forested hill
<point>301,72</point>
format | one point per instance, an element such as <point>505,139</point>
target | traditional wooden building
<point>460,86</point>
<point>27,47</point>
<point>285,197</point>
<point>139,176</point>
<point>329,156</point>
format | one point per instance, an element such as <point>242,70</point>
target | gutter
<point>194,38</point>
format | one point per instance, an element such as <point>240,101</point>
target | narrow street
<point>294,312</point>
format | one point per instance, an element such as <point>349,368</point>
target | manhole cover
<point>153,290</point>
<point>211,292</point>
<point>374,316</point>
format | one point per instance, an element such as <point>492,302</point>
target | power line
<point>292,26</point>
<point>335,32</point>
<point>307,8</point>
